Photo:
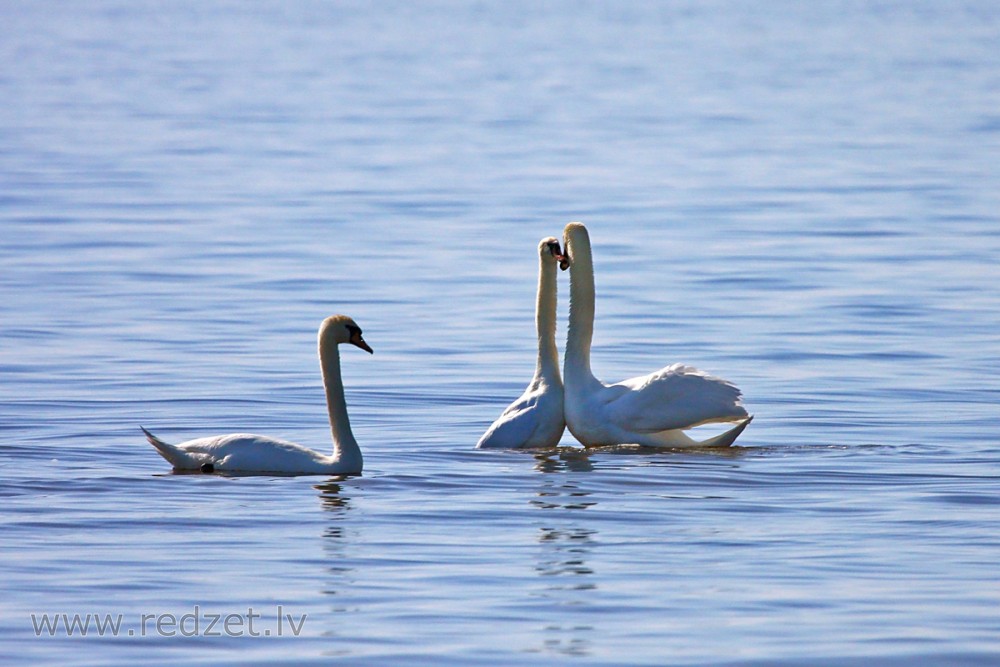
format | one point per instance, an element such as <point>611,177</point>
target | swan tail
<point>729,437</point>
<point>174,455</point>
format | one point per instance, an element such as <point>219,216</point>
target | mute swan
<point>652,410</point>
<point>536,418</point>
<point>246,453</point>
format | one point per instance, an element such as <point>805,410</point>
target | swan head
<point>338,329</point>
<point>549,247</point>
<point>574,236</point>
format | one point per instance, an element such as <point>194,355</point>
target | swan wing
<point>675,397</point>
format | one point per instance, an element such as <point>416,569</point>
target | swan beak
<point>356,339</point>
<point>558,255</point>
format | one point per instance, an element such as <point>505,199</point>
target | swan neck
<point>581,307</point>
<point>545,321</point>
<point>345,447</point>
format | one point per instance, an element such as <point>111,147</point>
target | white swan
<point>652,410</point>
<point>246,453</point>
<point>536,418</point>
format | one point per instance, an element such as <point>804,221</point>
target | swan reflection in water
<point>566,541</point>
<point>331,496</point>
<point>337,566</point>
<point>563,459</point>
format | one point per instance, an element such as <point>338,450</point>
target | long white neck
<point>545,321</point>
<point>345,447</point>
<point>581,309</point>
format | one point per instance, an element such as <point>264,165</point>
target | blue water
<point>802,199</point>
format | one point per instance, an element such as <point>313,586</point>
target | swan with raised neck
<point>652,410</point>
<point>246,453</point>
<point>536,418</point>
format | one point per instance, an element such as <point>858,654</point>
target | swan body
<point>248,453</point>
<point>652,410</point>
<point>536,418</point>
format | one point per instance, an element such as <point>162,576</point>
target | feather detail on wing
<point>675,397</point>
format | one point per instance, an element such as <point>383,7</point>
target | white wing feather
<point>675,397</point>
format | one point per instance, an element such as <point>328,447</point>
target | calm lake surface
<point>802,199</point>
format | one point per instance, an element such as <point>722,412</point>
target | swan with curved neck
<point>247,453</point>
<point>652,410</point>
<point>536,418</point>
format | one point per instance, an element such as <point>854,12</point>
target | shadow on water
<point>239,473</point>
<point>575,459</point>
<point>733,452</point>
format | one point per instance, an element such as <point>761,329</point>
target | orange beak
<point>356,339</point>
